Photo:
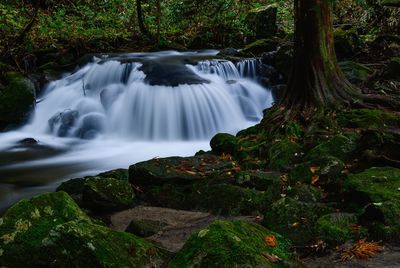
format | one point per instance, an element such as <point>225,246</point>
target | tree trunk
<point>139,13</point>
<point>316,79</point>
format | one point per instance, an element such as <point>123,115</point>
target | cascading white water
<point>115,111</point>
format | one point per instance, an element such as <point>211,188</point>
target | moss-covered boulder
<point>376,194</point>
<point>356,73</point>
<point>218,198</point>
<point>178,169</point>
<point>284,59</point>
<point>145,227</point>
<point>16,98</point>
<point>339,146</point>
<point>234,244</point>
<point>294,219</point>
<point>224,143</point>
<point>98,193</point>
<point>119,174</point>
<point>283,153</point>
<point>259,180</point>
<point>50,229</point>
<point>337,228</point>
<point>325,170</point>
<point>305,193</point>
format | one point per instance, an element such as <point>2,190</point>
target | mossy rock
<point>367,119</point>
<point>232,244</point>
<point>283,154</point>
<point>327,168</point>
<point>377,184</point>
<point>263,21</point>
<point>295,219</point>
<point>356,73</point>
<point>284,59</point>
<point>258,180</point>
<point>340,146</point>
<point>145,228</point>
<point>335,228</point>
<point>118,174</point>
<point>179,170</point>
<point>393,69</point>
<point>305,193</point>
<point>97,193</point>
<point>224,143</point>
<point>220,198</point>
<point>16,99</point>
<point>375,193</point>
<point>260,46</point>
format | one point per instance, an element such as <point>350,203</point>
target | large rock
<point>283,153</point>
<point>376,193</point>
<point>234,244</point>
<point>224,143</point>
<point>294,219</point>
<point>100,193</point>
<point>50,229</point>
<point>16,98</point>
<point>260,46</point>
<point>263,21</point>
<point>178,169</point>
<point>336,228</point>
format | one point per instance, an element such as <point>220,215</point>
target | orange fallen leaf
<point>271,241</point>
<point>314,179</point>
<point>271,257</point>
<point>361,250</point>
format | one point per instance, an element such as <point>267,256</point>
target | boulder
<point>62,123</point>
<point>356,73</point>
<point>224,143</point>
<point>260,46</point>
<point>178,169</point>
<point>263,21</point>
<point>234,244</point>
<point>100,193</point>
<point>283,154</point>
<point>337,228</point>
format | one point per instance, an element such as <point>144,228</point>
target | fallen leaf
<point>271,241</point>
<point>314,169</point>
<point>314,179</point>
<point>361,250</point>
<point>271,257</point>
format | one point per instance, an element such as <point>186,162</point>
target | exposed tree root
<point>374,159</point>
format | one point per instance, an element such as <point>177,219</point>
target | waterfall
<point>117,110</point>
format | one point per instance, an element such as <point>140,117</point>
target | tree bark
<point>139,13</point>
<point>316,79</point>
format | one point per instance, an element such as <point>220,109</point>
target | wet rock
<point>61,123</point>
<point>28,141</point>
<point>91,125</point>
<point>356,73</point>
<point>100,194</point>
<point>269,58</point>
<point>177,169</point>
<point>145,228</point>
<point>336,228</point>
<point>170,74</point>
<point>233,244</point>
<point>294,219</point>
<point>263,21</point>
<point>229,52</point>
<point>17,97</point>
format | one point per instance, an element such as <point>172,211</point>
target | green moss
<point>294,219</point>
<point>260,46</point>
<point>224,143</point>
<point>340,146</point>
<point>258,180</point>
<point>355,72</point>
<point>99,193</point>
<point>283,153</point>
<point>232,244</point>
<point>335,228</point>
<point>379,184</point>
<point>367,119</point>
<point>305,193</point>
